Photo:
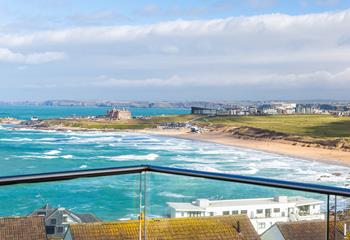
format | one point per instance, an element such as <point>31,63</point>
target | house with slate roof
<point>236,227</point>
<point>57,220</point>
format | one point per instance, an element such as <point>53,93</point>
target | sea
<point>25,151</point>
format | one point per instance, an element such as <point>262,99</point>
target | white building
<point>263,212</point>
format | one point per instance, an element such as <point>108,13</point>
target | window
<point>261,225</point>
<point>41,213</point>
<point>244,212</point>
<point>60,229</point>
<point>235,212</point>
<point>276,210</point>
<point>259,211</point>
<point>182,214</point>
<point>65,219</point>
<point>211,214</point>
<point>50,230</point>
<point>226,213</point>
<point>194,214</point>
<point>53,221</point>
<point>283,214</point>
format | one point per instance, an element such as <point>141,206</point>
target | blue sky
<point>49,14</point>
<point>174,50</point>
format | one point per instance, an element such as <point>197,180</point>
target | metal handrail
<point>70,175</point>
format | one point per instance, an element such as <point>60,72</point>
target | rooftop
<point>225,227</point>
<point>20,228</point>
<point>307,230</point>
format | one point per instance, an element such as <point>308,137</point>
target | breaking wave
<point>53,152</point>
<point>148,157</point>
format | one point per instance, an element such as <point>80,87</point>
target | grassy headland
<point>102,123</point>
<point>306,130</point>
<point>302,125</point>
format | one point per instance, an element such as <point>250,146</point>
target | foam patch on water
<point>67,156</point>
<point>173,195</point>
<point>16,139</point>
<point>77,140</point>
<point>148,157</point>
<point>47,157</point>
<point>53,152</point>
<point>83,166</point>
<point>216,169</point>
<point>48,139</point>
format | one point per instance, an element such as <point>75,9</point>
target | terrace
<point>148,216</point>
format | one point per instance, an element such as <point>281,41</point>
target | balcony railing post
<point>140,206</point>
<point>335,216</point>
<point>145,204</point>
<point>328,210</point>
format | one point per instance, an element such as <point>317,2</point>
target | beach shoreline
<point>330,156</point>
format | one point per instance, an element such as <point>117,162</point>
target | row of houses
<point>236,227</point>
<point>237,111</point>
<point>263,213</point>
<point>281,108</point>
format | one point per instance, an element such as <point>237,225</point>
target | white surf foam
<point>53,152</point>
<point>67,156</point>
<point>250,171</point>
<point>47,157</point>
<point>48,139</point>
<point>173,195</point>
<point>148,157</point>
<point>16,139</point>
<point>77,140</point>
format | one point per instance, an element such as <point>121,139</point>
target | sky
<point>174,50</point>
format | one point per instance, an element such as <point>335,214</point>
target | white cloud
<point>319,78</point>
<point>271,51</point>
<point>7,55</point>
<point>278,28</point>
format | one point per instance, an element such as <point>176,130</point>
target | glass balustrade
<point>148,202</point>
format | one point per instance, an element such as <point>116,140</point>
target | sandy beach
<point>332,156</point>
<point>310,153</point>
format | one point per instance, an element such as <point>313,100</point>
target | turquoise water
<point>44,112</point>
<point>27,151</point>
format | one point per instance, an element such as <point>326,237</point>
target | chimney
<point>281,199</point>
<point>238,227</point>
<point>202,203</point>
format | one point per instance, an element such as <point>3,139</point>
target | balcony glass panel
<point>202,206</point>
<point>103,204</point>
<point>339,218</point>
